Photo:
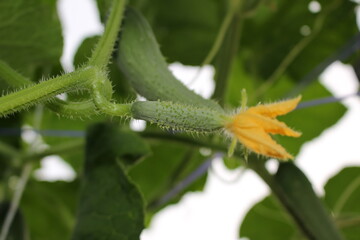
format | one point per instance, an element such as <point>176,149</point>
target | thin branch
<point>344,197</point>
<point>325,100</point>
<point>16,200</point>
<point>178,188</point>
<point>105,46</point>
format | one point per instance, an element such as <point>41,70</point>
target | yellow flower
<point>252,128</point>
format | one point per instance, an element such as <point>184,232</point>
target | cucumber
<point>140,59</point>
<point>301,201</point>
<point>178,116</point>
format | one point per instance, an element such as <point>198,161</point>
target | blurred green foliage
<point>276,44</point>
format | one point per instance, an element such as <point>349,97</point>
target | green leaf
<point>175,21</point>
<point>342,195</point>
<point>30,34</point>
<point>170,163</point>
<point>62,130</point>
<point>311,121</point>
<point>49,209</point>
<point>267,220</point>
<point>18,229</point>
<point>110,206</point>
<point>275,29</point>
<point>232,162</point>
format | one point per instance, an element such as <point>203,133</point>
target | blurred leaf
<point>185,19</point>
<point>59,130</point>
<point>110,207</point>
<point>170,163</point>
<point>342,195</point>
<point>84,51</point>
<point>103,6</point>
<point>49,209</point>
<point>267,220</point>
<point>175,21</point>
<point>276,28</point>
<point>30,34</point>
<point>311,121</point>
<point>18,229</point>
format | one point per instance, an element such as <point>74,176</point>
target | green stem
<point>103,103</point>
<point>64,108</point>
<point>105,46</point>
<point>220,36</point>
<point>344,197</point>
<point>348,222</point>
<point>226,56</point>
<point>83,109</point>
<point>45,90</point>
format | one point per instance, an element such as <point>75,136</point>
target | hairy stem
<point>64,108</point>
<point>103,103</point>
<point>105,46</point>
<point>45,90</point>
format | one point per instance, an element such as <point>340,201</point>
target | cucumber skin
<point>140,59</point>
<point>178,116</point>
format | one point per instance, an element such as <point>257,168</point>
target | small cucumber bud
<point>179,116</point>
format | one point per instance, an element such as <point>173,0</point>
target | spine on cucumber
<point>140,59</point>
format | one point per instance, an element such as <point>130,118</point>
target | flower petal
<point>272,125</point>
<point>258,141</point>
<point>275,109</point>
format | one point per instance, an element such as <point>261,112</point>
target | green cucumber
<point>301,201</point>
<point>140,59</point>
<point>179,116</point>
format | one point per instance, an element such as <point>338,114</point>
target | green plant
<point>116,189</point>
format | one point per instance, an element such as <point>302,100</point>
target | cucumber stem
<point>105,46</point>
<point>45,90</point>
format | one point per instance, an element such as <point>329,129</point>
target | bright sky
<point>217,212</point>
